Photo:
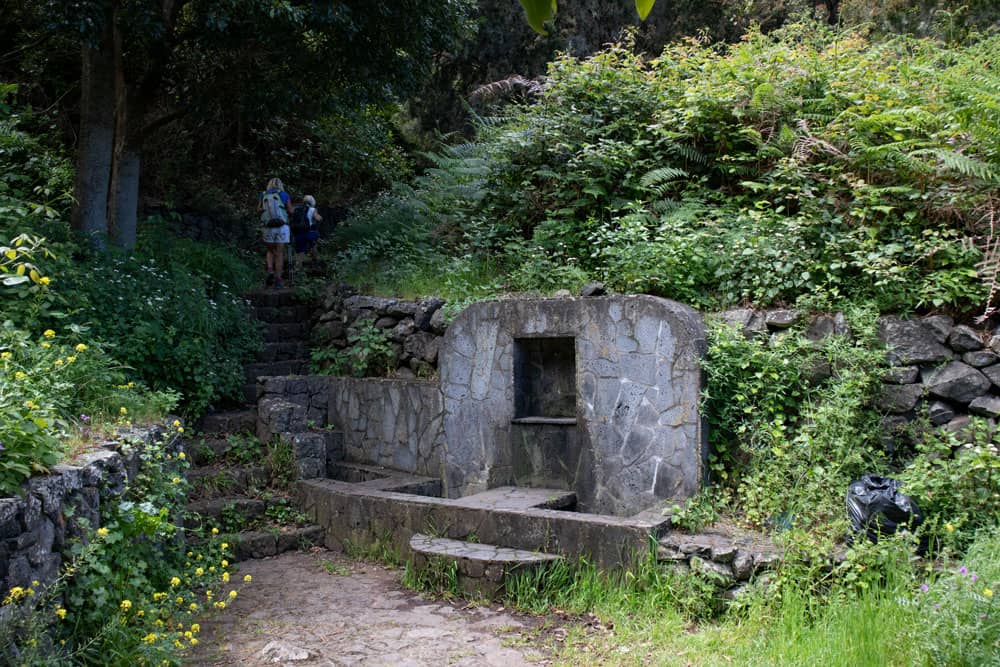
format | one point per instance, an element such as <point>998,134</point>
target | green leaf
<point>538,12</point>
<point>644,7</point>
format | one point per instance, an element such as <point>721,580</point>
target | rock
<point>593,289</point>
<point>964,339</point>
<point>980,358</point>
<point>717,572</point>
<point>902,375</point>
<point>428,307</point>
<point>562,294</point>
<point>750,322</point>
<point>403,309</point>
<point>821,326</point>
<point>423,346</point>
<point>986,406</point>
<point>386,322</point>
<point>439,322</point>
<point>278,651</point>
<point>992,373</point>
<point>781,319</point>
<point>940,412</point>
<point>367,307</point>
<point>900,398</point>
<point>404,329</point>
<point>941,325</point>
<point>743,565</point>
<point>817,370</point>
<point>331,330</point>
<point>958,382</point>
<point>912,341</point>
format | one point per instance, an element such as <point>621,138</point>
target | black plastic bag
<point>877,507</point>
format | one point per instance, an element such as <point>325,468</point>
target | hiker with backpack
<point>275,208</point>
<point>305,220</point>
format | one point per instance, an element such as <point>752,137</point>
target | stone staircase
<point>238,484</point>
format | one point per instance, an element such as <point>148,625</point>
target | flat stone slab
<point>519,498</point>
<point>485,553</point>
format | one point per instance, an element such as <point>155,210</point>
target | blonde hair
<point>275,184</point>
<point>309,200</point>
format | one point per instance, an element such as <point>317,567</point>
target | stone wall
<point>636,437</point>
<point>414,328</point>
<point>392,423</point>
<point>38,525</point>
<point>296,409</point>
<point>938,369</point>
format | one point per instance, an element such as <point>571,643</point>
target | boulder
<point>993,373</point>
<point>781,319</point>
<point>423,346</point>
<point>986,406</point>
<point>427,308</point>
<point>902,375</point>
<point>940,413</point>
<point>958,382</point>
<point>439,322</point>
<point>593,289</point>
<point>912,341</point>
<point>941,325</point>
<point>824,326</point>
<point>900,398</point>
<point>980,358</point>
<point>964,339</point>
<point>750,322</point>
<point>403,330</point>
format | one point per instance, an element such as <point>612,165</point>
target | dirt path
<point>314,609</point>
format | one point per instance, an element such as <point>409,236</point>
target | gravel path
<point>319,608</point>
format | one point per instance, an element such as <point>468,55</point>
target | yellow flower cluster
<point>102,532</point>
<point>126,605</point>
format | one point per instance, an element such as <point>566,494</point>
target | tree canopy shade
<point>148,63</point>
<point>540,11</point>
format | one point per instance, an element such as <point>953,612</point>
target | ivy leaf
<point>644,7</point>
<point>538,12</point>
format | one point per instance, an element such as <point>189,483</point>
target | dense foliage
<point>803,163</point>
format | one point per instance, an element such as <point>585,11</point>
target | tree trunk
<point>96,145</point>
<point>129,115</point>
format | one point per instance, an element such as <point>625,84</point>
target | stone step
<point>272,298</point>
<point>283,351</point>
<point>290,331</point>
<point>297,314</point>
<point>210,510</point>
<point>481,568</point>
<point>204,451</point>
<point>275,368</point>
<point>228,422</point>
<point>225,479</point>
<point>249,393</point>
<point>261,544</point>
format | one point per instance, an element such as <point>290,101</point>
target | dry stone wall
<point>52,510</point>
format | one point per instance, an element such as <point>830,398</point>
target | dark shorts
<point>305,241</point>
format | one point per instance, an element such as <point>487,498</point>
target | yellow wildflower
<point>123,410</point>
<point>194,641</point>
<point>225,577</point>
<point>188,635</point>
<point>174,581</point>
<point>80,347</point>
<point>177,423</point>
<point>61,613</point>
<point>4,355</point>
<point>19,375</point>
<point>988,593</point>
<point>150,638</point>
<point>49,333</point>
<point>950,528</point>
<point>193,607</point>
<point>102,532</point>
<point>70,359</point>
<point>181,455</point>
<point>195,628</point>
<point>199,571</point>
<point>232,595</point>
<point>46,345</point>
<point>57,362</point>
<point>130,385</point>
<point>215,531</point>
<point>176,480</point>
<point>179,600</point>
<point>45,280</point>
<point>180,429</point>
<point>225,545</point>
<point>126,605</point>
<point>208,594</point>
<point>248,578</point>
<point>224,563</point>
